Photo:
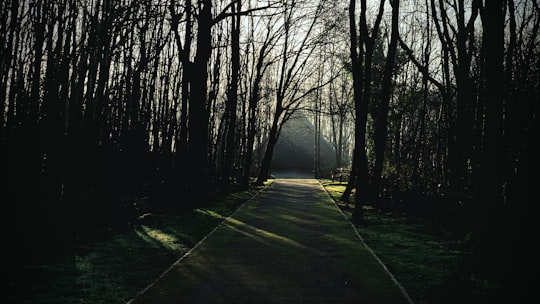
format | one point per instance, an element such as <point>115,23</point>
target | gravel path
<point>289,244</point>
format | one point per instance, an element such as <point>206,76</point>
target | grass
<point>116,268</point>
<point>425,258</point>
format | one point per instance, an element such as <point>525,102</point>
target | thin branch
<point>224,14</point>
<point>421,68</point>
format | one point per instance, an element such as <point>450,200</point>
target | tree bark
<point>490,197</point>
<point>199,176</point>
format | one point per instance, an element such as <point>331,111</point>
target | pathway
<point>289,244</point>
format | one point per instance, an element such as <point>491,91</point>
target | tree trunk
<point>356,60</point>
<point>490,198</point>
<point>251,125</point>
<point>198,116</point>
<point>362,96</point>
<point>252,109</point>
<point>381,126</point>
<point>232,100</point>
<point>273,136</point>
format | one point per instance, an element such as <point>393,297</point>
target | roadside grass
<point>116,268</point>
<point>425,258</point>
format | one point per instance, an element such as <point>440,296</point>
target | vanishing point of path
<point>289,244</point>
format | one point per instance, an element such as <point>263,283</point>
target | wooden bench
<point>341,174</point>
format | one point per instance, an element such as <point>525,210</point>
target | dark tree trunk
<point>248,160</point>
<point>185,54</point>
<point>198,117</point>
<point>490,197</point>
<point>232,100</point>
<point>273,136</point>
<point>51,130</point>
<point>362,94</point>
<point>357,72</point>
<point>381,125</point>
<point>254,99</point>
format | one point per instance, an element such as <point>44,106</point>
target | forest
<point>112,109</point>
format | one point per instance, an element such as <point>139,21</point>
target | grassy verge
<point>115,269</point>
<point>424,258</point>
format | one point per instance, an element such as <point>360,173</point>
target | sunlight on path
<point>290,244</point>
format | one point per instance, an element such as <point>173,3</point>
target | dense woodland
<point>110,109</point>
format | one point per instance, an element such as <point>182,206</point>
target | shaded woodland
<point>112,109</point>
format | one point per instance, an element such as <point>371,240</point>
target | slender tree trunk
<point>317,124</point>
<point>269,152</point>
<point>356,60</point>
<point>186,80</point>
<point>252,108</point>
<point>232,99</point>
<point>39,30</point>
<point>381,126</point>
<point>511,130</point>
<point>246,174</point>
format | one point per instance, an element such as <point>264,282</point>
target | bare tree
<point>362,45</point>
<point>260,65</point>
<point>457,36</point>
<point>295,69</point>
<point>381,122</point>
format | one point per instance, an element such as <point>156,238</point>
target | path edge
<point>392,277</point>
<point>195,246</point>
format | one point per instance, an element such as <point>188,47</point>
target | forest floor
<point>290,244</point>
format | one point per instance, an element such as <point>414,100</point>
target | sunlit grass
<point>166,240</point>
<point>209,212</point>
